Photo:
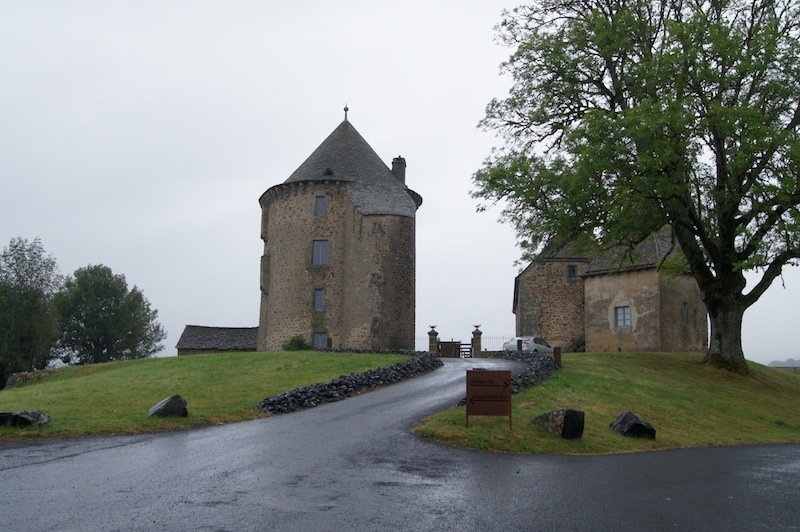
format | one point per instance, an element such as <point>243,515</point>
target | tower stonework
<point>338,266</point>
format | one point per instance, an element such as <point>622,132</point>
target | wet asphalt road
<point>353,465</point>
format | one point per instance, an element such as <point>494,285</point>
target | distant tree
<point>29,278</point>
<point>102,320</point>
<point>628,115</point>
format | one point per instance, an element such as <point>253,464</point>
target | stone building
<point>338,267</point>
<point>198,339</point>
<point>616,302</point>
<point>548,298</point>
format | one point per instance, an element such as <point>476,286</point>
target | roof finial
<point>345,111</point>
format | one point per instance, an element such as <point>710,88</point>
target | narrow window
<point>319,299</point>
<point>320,205</point>
<point>320,253</point>
<point>622,316</point>
<point>320,340</point>
<point>572,272</point>
<point>685,314</point>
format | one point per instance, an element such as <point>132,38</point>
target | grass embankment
<point>689,404</point>
<point>114,398</point>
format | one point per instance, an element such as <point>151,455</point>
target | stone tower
<point>339,250</point>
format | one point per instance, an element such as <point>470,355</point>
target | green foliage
<point>630,115</point>
<point>219,388</point>
<point>28,323</point>
<point>102,320</point>
<point>296,343</point>
<point>671,391</point>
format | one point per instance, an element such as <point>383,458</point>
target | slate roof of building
<point>648,253</point>
<point>198,337</point>
<point>346,156</point>
<point>568,252</point>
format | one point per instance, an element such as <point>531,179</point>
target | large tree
<point>103,320</point>
<point>626,115</point>
<point>29,278</point>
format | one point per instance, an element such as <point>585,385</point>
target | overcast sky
<point>140,134</point>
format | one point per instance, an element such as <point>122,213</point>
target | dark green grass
<point>114,398</point>
<point>688,403</point>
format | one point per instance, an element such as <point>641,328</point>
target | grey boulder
<point>174,406</point>
<point>32,418</point>
<point>629,424</point>
<point>566,423</point>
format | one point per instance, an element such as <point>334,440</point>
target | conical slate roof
<point>346,156</point>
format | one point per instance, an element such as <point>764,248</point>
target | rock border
<point>540,368</point>
<point>349,385</point>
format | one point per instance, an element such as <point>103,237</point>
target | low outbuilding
<point>198,339</point>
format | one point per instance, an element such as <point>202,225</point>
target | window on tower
<point>319,299</point>
<point>320,206</point>
<point>320,253</point>
<point>320,340</point>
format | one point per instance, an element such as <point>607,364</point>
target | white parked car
<point>530,344</point>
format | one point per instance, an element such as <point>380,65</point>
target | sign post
<point>488,393</point>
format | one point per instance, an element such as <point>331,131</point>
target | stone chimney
<point>399,169</point>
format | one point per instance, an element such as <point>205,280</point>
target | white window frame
<point>622,317</point>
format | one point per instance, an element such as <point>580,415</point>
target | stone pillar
<point>476,341</point>
<point>433,341</point>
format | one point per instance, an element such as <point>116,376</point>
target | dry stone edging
<point>540,368</point>
<point>349,385</point>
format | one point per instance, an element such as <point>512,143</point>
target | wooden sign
<point>488,393</point>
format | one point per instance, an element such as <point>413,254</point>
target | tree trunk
<point>725,345</point>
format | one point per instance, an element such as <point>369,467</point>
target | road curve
<point>353,465</point>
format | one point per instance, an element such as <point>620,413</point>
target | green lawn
<point>688,403</point>
<point>114,398</point>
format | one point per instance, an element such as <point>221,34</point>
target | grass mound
<point>114,398</point>
<point>688,403</point>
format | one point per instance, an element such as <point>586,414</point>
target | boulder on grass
<point>629,424</point>
<point>174,406</point>
<point>32,418</point>
<point>566,423</point>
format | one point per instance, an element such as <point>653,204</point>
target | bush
<point>297,343</point>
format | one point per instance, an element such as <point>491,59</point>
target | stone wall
<point>368,284</point>
<point>288,277</point>
<point>684,318</point>
<point>550,302</point>
<point>637,289</point>
<point>380,282</point>
<point>667,312</point>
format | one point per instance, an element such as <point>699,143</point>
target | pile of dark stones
<point>29,418</point>
<point>540,368</point>
<point>349,385</point>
